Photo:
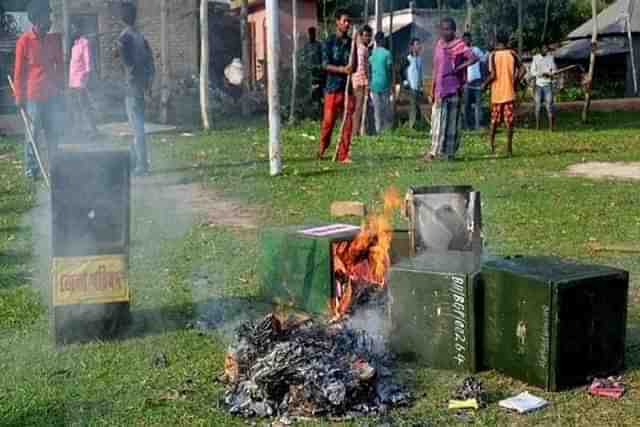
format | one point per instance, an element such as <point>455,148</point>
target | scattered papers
<point>524,403</point>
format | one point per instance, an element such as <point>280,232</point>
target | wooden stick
<point>30,137</point>
<point>346,93</point>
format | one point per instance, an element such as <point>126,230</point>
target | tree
<point>503,14</point>
<point>592,61</point>
<point>294,62</point>
<point>244,37</point>
<point>204,63</point>
<point>547,10</point>
<point>467,21</point>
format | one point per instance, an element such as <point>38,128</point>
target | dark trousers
<point>472,107</point>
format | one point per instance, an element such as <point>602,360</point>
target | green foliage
<point>529,205</point>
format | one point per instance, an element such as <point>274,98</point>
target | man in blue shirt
<point>413,81</point>
<point>380,63</point>
<point>473,87</point>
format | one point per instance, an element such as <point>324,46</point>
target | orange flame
<point>366,259</point>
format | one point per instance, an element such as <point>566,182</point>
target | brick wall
<point>183,33</point>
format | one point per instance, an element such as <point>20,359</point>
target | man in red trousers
<point>336,57</point>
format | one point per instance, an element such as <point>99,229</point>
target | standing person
<point>473,87</point>
<point>542,69</point>
<point>361,75</point>
<point>313,51</point>
<point>381,63</point>
<point>505,71</point>
<point>336,60</point>
<point>80,67</point>
<point>39,80</point>
<point>413,82</point>
<point>451,58</point>
<point>137,59</point>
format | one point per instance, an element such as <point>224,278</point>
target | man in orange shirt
<point>39,80</point>
<point>505,71</point>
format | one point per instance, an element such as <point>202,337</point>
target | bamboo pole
<point>273,47</point>
<point>592,61</point>
<point>294,63</point>
<point>30,137</point>
<point>204,63</point>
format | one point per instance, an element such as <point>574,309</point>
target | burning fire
<point>364,261</point>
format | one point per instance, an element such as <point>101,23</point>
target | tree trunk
<point>467,22</point>
<point>592,62</point>
<point>294,63</point>
<point>165,89</point>
<point>378,12</point>
<point>204,63</point>
<point>246,61</point>
<point>520,27</point>
<point>273,47</point>
<point>547,10</point>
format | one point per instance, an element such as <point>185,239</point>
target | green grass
<point>180,267</point>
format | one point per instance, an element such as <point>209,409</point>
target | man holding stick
<point>38,80</point>
<point>337,62</point>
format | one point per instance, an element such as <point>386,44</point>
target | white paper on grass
<point>524,402</point>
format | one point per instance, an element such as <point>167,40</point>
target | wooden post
<point>273,47</point>
<point>592,61</point>
<point>294,63</point>
<point>520,27</point>
<point>204,63</point>
<point>246,61</point>
<point>632,53</point>
<point>165,90</point>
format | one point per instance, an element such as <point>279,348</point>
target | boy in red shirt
<point>39,79</point>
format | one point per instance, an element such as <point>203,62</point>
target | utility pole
<point>273,47</point>
<point>378,12</point>
<point>204,63</point>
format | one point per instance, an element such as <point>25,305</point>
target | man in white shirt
<point>473,87</point>
<point>542,69</point>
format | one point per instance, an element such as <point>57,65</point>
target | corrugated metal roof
<point>611,21</point>
<point>576,50</point>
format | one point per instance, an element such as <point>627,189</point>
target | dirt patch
<point>205,205</point>
<point>611,170</point>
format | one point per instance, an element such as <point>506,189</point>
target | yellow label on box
<point>90,280</point>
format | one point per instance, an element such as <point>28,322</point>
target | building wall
<point>183,33</point>
<point>307,18</point>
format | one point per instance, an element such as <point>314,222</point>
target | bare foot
<point>346,161</point>
<point>429,157</point>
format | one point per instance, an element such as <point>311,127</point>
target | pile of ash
<point>308,369</point>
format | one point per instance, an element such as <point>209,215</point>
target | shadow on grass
<point>219,314</point>
<point>59,413</point>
